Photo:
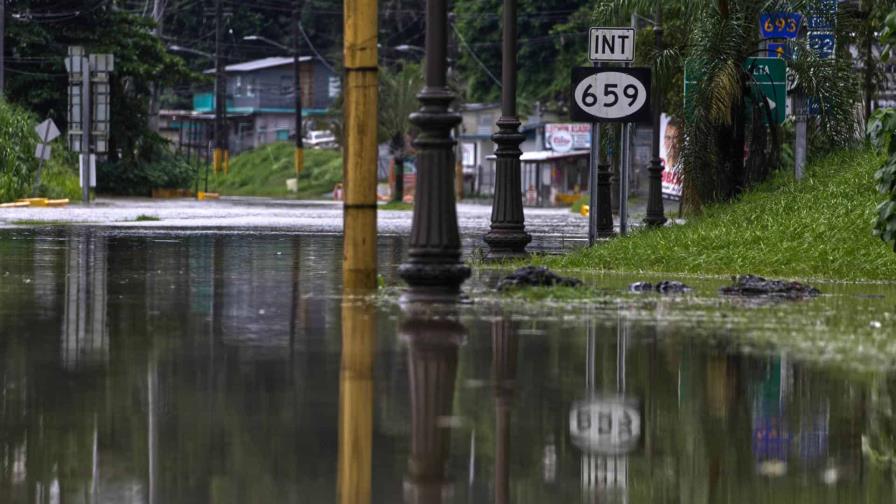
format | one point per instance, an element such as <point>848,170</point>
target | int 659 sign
<point>610,95</point>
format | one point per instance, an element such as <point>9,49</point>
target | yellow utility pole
<point>356,402</point>
<point>360,151</point>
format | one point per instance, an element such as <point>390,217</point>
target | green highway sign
<point>769,83</point>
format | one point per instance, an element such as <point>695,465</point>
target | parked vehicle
<point>320,139</point>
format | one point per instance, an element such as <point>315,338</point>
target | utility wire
<point>463,42</point>
<point>314,49</point>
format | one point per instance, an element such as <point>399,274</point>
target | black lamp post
<point>655,216</point>
<point>508,237</point>
<point>433,268</point>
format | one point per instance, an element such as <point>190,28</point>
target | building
<point>260,101</point>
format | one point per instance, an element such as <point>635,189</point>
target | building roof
<point>259,64</point>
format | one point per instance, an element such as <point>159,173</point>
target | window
<point>252,87</point>
<point>238,88</point>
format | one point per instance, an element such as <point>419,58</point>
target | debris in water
<point>664,287</point>
<point>536,276</point>
<point>750,285</point>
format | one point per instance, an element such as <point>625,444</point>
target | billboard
<point>670,153</point>
<point>569,136</point>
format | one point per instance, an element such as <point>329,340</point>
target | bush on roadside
<point>17,144</point>
<point>59,175</point>
<point>158,167</point>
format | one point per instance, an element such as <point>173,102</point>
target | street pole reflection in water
<point>504,357</point>
<point>356,401</point>
<point>432,363</point>
<point>84,335</point>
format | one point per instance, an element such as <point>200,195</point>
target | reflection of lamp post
<point>432,366</point>
<point>433,267</point>
<point>504,349</point>
<point>299,157</point>
<point>655,216</point>
<point>507,237</point>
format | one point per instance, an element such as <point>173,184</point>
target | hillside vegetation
<point>264,171</point>
<point>817,228</point>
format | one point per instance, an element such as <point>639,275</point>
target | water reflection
<point>141,369</point>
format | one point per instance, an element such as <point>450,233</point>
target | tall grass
<point>263,172</point>
<point>817,228</point>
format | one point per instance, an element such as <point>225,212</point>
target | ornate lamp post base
<point>655,215</point>
<point>604,210</point>
<point>507,238</point>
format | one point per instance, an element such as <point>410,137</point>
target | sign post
<point>47,132</point>
<point>607,95</point>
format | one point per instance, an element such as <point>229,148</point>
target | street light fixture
<point>177,48</point>
<point>299,155</point>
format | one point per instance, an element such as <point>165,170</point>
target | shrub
<point>159,168</point>
<point>17,144</point>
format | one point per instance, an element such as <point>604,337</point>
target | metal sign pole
<point>85,130</point>
<point>592,179</point>
<point>625,153</point>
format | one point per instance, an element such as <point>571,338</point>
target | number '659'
<point>610,95</point>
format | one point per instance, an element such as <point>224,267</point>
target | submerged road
<point>552,228</point>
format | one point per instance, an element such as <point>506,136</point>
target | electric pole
<point>299,158</point>
<point>3,48</point>
<point>219,158</point>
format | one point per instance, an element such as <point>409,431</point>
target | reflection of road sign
<point>783,51</point>
<point>611,95</point>
<point>608,426</point>
<point>611,44</point>
<point>47,131</point>
<point>822,44</point>
<point>780,24</point>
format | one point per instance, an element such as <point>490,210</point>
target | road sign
<point>608,426</point>
<point>610,95</point>
<point>770,84</point>
<point>824,17</point>
<point>776,25</point>
<point>777,50</point>
<point>47,131</point>
<point>611,44</point>
<point>822,44</point>
<point>42,151</point>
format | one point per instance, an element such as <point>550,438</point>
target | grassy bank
<point>819,228</point>
<point>263,172</point>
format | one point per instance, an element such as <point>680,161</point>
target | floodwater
<point>185,367</point>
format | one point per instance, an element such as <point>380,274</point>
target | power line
<point>463,42</point>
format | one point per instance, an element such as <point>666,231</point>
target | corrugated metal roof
<point>250,66</point>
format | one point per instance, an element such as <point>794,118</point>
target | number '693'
<point>610,95</point>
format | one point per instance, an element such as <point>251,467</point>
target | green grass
<point>147,218</point>
<point>263,172</point>
<point>819,228</point>
<point>396,205</point>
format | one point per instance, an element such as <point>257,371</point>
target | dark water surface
<point>227,368</point>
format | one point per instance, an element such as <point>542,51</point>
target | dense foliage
<point>881,130</point>
<point>18,165</point>
<point>156,167</point>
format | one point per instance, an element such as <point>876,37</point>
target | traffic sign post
<point>608,95</point>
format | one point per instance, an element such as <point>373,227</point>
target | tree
<point>398,99</point>
<point>881,130</point>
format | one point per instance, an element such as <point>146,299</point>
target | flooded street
<point>165,366</point>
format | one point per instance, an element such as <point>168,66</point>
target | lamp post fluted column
<point>655,214</point>
<point>507,237</point>
<point>433,267</point>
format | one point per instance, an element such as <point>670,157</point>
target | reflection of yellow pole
<point>356,402</point>
<point>360,153</point>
